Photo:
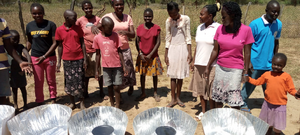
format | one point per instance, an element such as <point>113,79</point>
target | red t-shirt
<point>109,49</point>
<point>148,38</point>
<point>71,42</point>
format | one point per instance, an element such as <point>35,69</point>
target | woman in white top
<point>205,44</point>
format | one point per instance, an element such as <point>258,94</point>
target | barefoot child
<point>18,78</point>
<point>147,44</point>
<point>178,50</point>
<point>109,44</point>
<point>273,110</point>
<point>72,50</point>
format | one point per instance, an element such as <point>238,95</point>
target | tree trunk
<point>21,20</point>
<point>72,5</point>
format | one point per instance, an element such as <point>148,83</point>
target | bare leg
<point>72,102</point>
<point>111,95</point>
<point>179,86</point>
<point>203,104</point>
<point>143,95</point>
<point>82,106</point>
<point>15,97</point>
<point>130,91</point>
<point>86,87</point>
<point>212,104</point>
<point>100,82</point>
<point>156,97</point>
<point>24,95</point>
<point>173,88</point>
<point>117,96</point>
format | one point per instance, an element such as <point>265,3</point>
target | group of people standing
<point>226,55</point>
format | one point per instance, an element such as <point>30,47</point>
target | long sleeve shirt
<point>278,85</point>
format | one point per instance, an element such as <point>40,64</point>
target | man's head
<point>70,17</point>
<point>107,25</point>
<point>272,11</point>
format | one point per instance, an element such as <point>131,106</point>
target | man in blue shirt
<point>266,31</point>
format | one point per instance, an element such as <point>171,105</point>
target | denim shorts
<point>112,76</point>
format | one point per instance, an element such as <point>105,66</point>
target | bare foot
<point>15,106</point>
<point>102,95</point>
<point>72,106</point>
<point>25,107</point>
<point>172,104</point>
<point>156,97</point>
<point>53,100</point>
<point>82,106</point>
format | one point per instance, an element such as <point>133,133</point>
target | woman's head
<point>87,7</point>
<point>173,10</point>
<point>232,15</point>
<point>208,13</point>
<point>148,15</point>
<point>118,5</point>
<point>37,11</point>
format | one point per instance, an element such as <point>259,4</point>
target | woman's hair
<point>172,5</point>
<point>37,5</point>
<point>212,9</point>
<point>148,10</point>
<point>112,2</point>
<point>235,13</point>
<point>86,2</point>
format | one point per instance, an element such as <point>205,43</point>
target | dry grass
<point>54,13</point>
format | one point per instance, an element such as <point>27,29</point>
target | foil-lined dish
<point>49,119</point>
<point>6,112</point>
<point>164,121</point>
<point>227,121</point>
<point>102,120</point>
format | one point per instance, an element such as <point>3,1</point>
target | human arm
<point>193,61</point>
<point>26,53</point>
<point>276,47</point>
<point>122,62</point>
<point>98,57</point>
<point>84,53</point>
<point>190,58</point>
<point>213,56</point>
<point>96,28</point>
<point>29,42</point>
<point>137,45</point>
<point>260,81</point>
<point>130,33</point>
<point>247,52</point>
<point>166,56</point>
<point>59,55</point>
<point>155,47</point>
<point>188,40</point>
<point>49,52</point>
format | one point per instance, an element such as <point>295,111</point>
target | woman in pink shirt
<point>231,39</point>
<point>124,28</point>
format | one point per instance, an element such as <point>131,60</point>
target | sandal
<point>246,110</point>
<point>156,97</point>
<point>199,117</point>
<point>171,105</point>
<point>181,104</point>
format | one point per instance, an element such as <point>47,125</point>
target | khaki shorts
<point>91,61</point>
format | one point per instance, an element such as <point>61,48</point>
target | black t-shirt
<point>41,37</point>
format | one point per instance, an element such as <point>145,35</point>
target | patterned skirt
<point>128,80</point>
<point>74,77</point>
<point>227,86</point>
<point>149,68</point>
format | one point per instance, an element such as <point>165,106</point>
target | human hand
<point>125,71</point>
<point>245,79</point>
<point>189,59</point>
<point>95,30</point>
<point>97,75</point>
<point>206,73</point>
<point>85,64</point>
<point>58,67</point>
<point>250,69</point>
<point>167,61</point>
<point>148,57</point>
<point>40,59</point>
<point>122,32</point>
<point>142,57</point>
<point>192,66</point>
<point>26,66</point>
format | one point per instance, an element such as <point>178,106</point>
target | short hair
<point>37,5</point>
<point>234,11</point>
<point>172,5</point>
<point>280,56</point>
<point>271,3</point>
<point>14,31</point>
<point>86,2</point>
<point>148,10</point>
<point>212,9</point>
<point>112,2</point>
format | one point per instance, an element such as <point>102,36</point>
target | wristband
<point>141,53</point>
<point>246,75</point>
<point>44,56</point>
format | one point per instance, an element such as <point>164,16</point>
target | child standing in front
<point>178,50</point>
<point>72,50</point>
<point>17,77</point>
<point>273,110</point>
<point>109,43</point>
<point>147,44</point>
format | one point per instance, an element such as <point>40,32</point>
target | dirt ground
<point>193,106</point>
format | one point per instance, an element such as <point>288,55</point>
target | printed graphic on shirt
<point>42,33</point>
<point>106,48</point>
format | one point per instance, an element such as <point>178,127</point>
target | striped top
<point>4,34</point>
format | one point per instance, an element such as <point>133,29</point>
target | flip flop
<point>199,117</point>
<point>156,97</point>
<point>171,105</point>
<point>181,104</point>
<point>246,110</point>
